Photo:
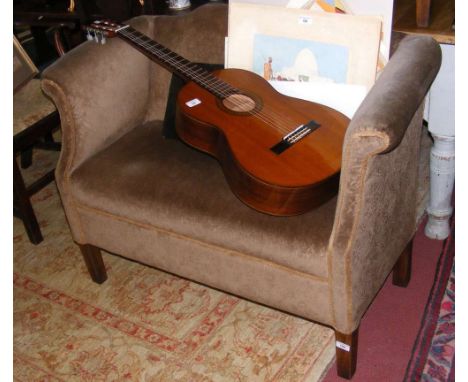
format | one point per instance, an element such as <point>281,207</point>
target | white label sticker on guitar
<point>305,20</point>
<point>343,346</point>
<point>193,102</point>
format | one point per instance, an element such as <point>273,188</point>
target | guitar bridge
<point>294,136</point>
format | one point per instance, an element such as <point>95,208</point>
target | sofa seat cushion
<point>145,178</point>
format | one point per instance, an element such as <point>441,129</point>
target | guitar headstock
<point>100,30</point>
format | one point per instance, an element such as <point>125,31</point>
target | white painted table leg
<point>442,166</point>
<point>441,120</point>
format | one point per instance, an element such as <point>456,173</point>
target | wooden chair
<point>34,119</point>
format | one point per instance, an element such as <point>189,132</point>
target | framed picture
<point>380,8</point>
<point>23,67</point>
<point>300,45</point>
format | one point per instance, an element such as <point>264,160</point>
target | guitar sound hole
<point>239,103</point>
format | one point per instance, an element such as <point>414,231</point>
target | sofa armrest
<point>376,211</point>
<point>101,91</point>
<point>391,103</point>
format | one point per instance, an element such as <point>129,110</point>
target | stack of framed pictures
<point>306,53</point>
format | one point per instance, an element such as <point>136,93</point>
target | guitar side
<point>287,183</point>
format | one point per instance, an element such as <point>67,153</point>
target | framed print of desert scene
<point>287,59</point>
<point>286,44</point>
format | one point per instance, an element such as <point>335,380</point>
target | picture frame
<point>331,39</point>
<point>24,68</point>
<point>380,8</point>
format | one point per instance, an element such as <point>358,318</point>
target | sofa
<point>128,189</point>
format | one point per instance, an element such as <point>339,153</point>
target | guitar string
<point>222,88</point>
<point>197,73</point>
<point>176,60</point>
<point>204,77</point>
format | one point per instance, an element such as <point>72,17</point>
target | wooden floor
<point>442,19</point>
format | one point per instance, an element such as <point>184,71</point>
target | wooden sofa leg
<point>346,353</point>
<point>402,269</point>
<point>93,259</point>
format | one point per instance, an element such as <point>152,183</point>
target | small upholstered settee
<point>129,191</point>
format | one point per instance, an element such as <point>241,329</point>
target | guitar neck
<point>175,63</point>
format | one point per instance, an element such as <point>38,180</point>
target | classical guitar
<point>280,155</point>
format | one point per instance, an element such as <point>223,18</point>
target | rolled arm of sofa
<point>376,210</point>
<point>391,103</point>
<point>101,91</point>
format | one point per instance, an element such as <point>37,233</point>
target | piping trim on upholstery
<point>356,219</point>
<point>71,157</point>
<point>202,243</point>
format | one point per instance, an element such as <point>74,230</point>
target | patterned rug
<point>433,355</point>
<point>142,324</point>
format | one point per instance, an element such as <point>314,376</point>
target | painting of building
<point>288,59</point>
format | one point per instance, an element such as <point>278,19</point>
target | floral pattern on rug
<point>442,351</point>
<point>142,324</point>
<point>433,354</point>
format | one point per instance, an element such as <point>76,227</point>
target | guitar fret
<point>171,57</point>
<point>179,64</point>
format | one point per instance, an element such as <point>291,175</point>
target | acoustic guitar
<point>280,155</point>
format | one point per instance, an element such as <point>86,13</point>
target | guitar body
<point>280,155</point>
<point>241,130</point>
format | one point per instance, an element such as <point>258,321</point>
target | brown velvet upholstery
<point>127,190</point>
<point>188,194</point>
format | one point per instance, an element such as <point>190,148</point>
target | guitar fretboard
<point>176,63</point>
